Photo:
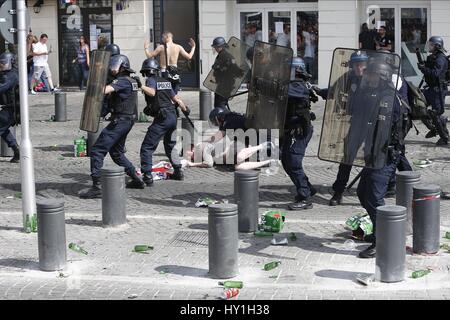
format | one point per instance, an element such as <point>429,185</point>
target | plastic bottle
<point>271,265</point>
<point>230,293</point>
<point>420,273</point>
<point>77,248</point>
<point>232,284</point>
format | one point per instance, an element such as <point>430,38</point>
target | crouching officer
<point>298,133</point>
<point>162,104</point>
<point>9,101</point>
<point>434,71</point>
<point>374,183</point>
<point>123,91</point>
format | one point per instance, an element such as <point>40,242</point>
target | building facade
<point>312,28</point>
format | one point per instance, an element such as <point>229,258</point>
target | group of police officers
<point>368,78</point>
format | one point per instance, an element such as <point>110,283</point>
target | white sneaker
<point>56,90</point>
<point>33,92</point>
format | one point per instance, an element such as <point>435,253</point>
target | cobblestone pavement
<point>319,265</point>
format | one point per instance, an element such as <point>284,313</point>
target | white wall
<point>46,21</point>
<point>338,23</point>
<point>440,20</point>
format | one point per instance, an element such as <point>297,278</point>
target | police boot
<point>301,205</point>
<point>94,192</point>
<point>429,124</point>
<point>177,174</point>
<point>148,179</point>
<point>16,157</point>
<point>370,252</point>
<point>336,199</point>
<point>136,181</point>
<point>441,129</point>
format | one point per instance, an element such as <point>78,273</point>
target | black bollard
<point>246,195</point>
<point>6,151</point>
<point>391,243</point>
<point>406,180</point>
<point>223,241</point>
<point>92,138</point>
<point>51,234</point>
<point>187,129</point>
<point>113,197</point>
<point>60,107</point>
<point>205,104</point>
<point>426,218</point>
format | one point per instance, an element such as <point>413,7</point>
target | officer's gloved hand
<point>138,80</point>
<point>187,112</point>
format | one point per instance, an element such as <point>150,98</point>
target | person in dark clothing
<point>367,38</point>
<point>382,41</point>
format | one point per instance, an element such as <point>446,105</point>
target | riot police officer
<point>357,64</point>
<point>161,104</point>
<point>123,100</point>
<point>9,101</point>
<point>115,50</point>
<point>297,134</point>
<point>374,182</point>
<point>434,71</point>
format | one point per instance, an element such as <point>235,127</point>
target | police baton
<point>189,120</point>
<point>420,60</point>
<point>354,180</point>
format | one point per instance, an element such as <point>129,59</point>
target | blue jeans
<point>83,74</point>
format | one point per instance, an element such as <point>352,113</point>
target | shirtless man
<point>173,52</point>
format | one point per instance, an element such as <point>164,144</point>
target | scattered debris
<point>263,234</point>
<point>447,235</point>
<point>365,280</point>
<point>422,163</point>
<point>279,242</point>
<point>349,245</point>
<point>232,284</point>
<point>273,221</point>
<point>77,248</point>
<point>420,273</point>
<point>142,248</point>
<point>292,236</point>
<point>132,296</point>
<point>230,293</point>
<point>271,265</point>
<point>205,202</point>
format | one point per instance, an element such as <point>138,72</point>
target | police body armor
<point>10,100</point>
<point>127,107</point>
<point>158,105</point>
<point>433,81</point>
<point>298,115</point>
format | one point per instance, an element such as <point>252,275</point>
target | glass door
<point>279,28</point>
<point>307,36</point>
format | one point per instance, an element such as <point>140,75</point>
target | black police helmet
<point>113,48</point>
<point>219,42</point>
<point>217,114</point>
<point>149,66</point>
<point>119,62</point>
<point>436,43</point>
<point>381,68</point>
<point>7,61</point>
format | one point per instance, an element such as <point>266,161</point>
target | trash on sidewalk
<point>279,242</point>
<point>132,296</point>
<point>63,275</point>
<point>349,244</point>
<point>422,163</point>
<point>142,248</point>
<point>273,221</point>
<point>31,223</point>
<point>273,168</point>
<point>230,293</point>
<point>447,235</point>
<point>160,171</point>
<point>231,284</point>
<point>365,280</point>
<point>79,148</point>
<point>18,195</point>
<point>420,273</point>
<point>445,246</point>
<point>263,234</point>
<point>271,265</point>
<point>360,225</point>
<point>205,202</point>
<point>292,236</point>
<point>77,248</point>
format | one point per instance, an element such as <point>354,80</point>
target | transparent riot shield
<point>229,70</point>
<point>357,121</point>
<point>93,98</point>
<point>267,96</point>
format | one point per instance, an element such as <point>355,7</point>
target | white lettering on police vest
<point>163,86</point>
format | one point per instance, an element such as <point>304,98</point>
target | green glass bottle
<point>77,248</point>
<point>142,248</point>
<point>447,235</point>
<point>420,273</point>
<point>27,224</point>
<point>263,234</point>
<point>271,265</point>
<point>445,247</point>
<point>34,223</point>
<point>232,284</point>
<point>293,236</point>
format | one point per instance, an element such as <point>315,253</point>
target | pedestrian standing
<point>83,62</point>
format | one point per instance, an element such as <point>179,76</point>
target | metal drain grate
<point>190,239</point>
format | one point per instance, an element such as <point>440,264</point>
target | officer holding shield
<point>123,91</point>
<point>9,101</point>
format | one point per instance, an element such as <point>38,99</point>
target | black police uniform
<point>164,125</point>
<point>223,63</point>
<point>434,72</point>
<point>383,42</point>
<point>112,139</point>
<point>374,183</point>
<point>9,114</point>
<point>298,133</point>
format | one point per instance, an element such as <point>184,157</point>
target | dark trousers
<point>342,178</point>
<point>436,97</point>
<point>293,152</point>
<point>7,121</point>
<point>83,74</point>
<point>112,139</point>
<point>158,129</point>
<point>373,186</point>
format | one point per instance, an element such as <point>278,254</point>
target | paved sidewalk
<point>319,265</point>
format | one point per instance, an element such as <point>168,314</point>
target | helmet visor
<point>114,64</point>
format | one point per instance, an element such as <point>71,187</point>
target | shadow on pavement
<point>160,202</point>
<point>183,271</point>
<point>84,222</point>
<point>341,274</point>
<point>20,264</point>
<point>59,148</point>
<point>68,189</point>
<point>198,226</point>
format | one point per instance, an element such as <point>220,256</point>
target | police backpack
<point>417,102</point>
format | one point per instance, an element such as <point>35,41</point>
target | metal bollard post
<point>113,197</point>
<point>406,180</point>
<point>246,195</point>
<point>92,138</point>
<point>391,243</point>
<point>6,151</point>
<point>60,107</point>
<point>426,218</point>
<point>51,234</point>
<point>223,240</point>
<point>205,104</point>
